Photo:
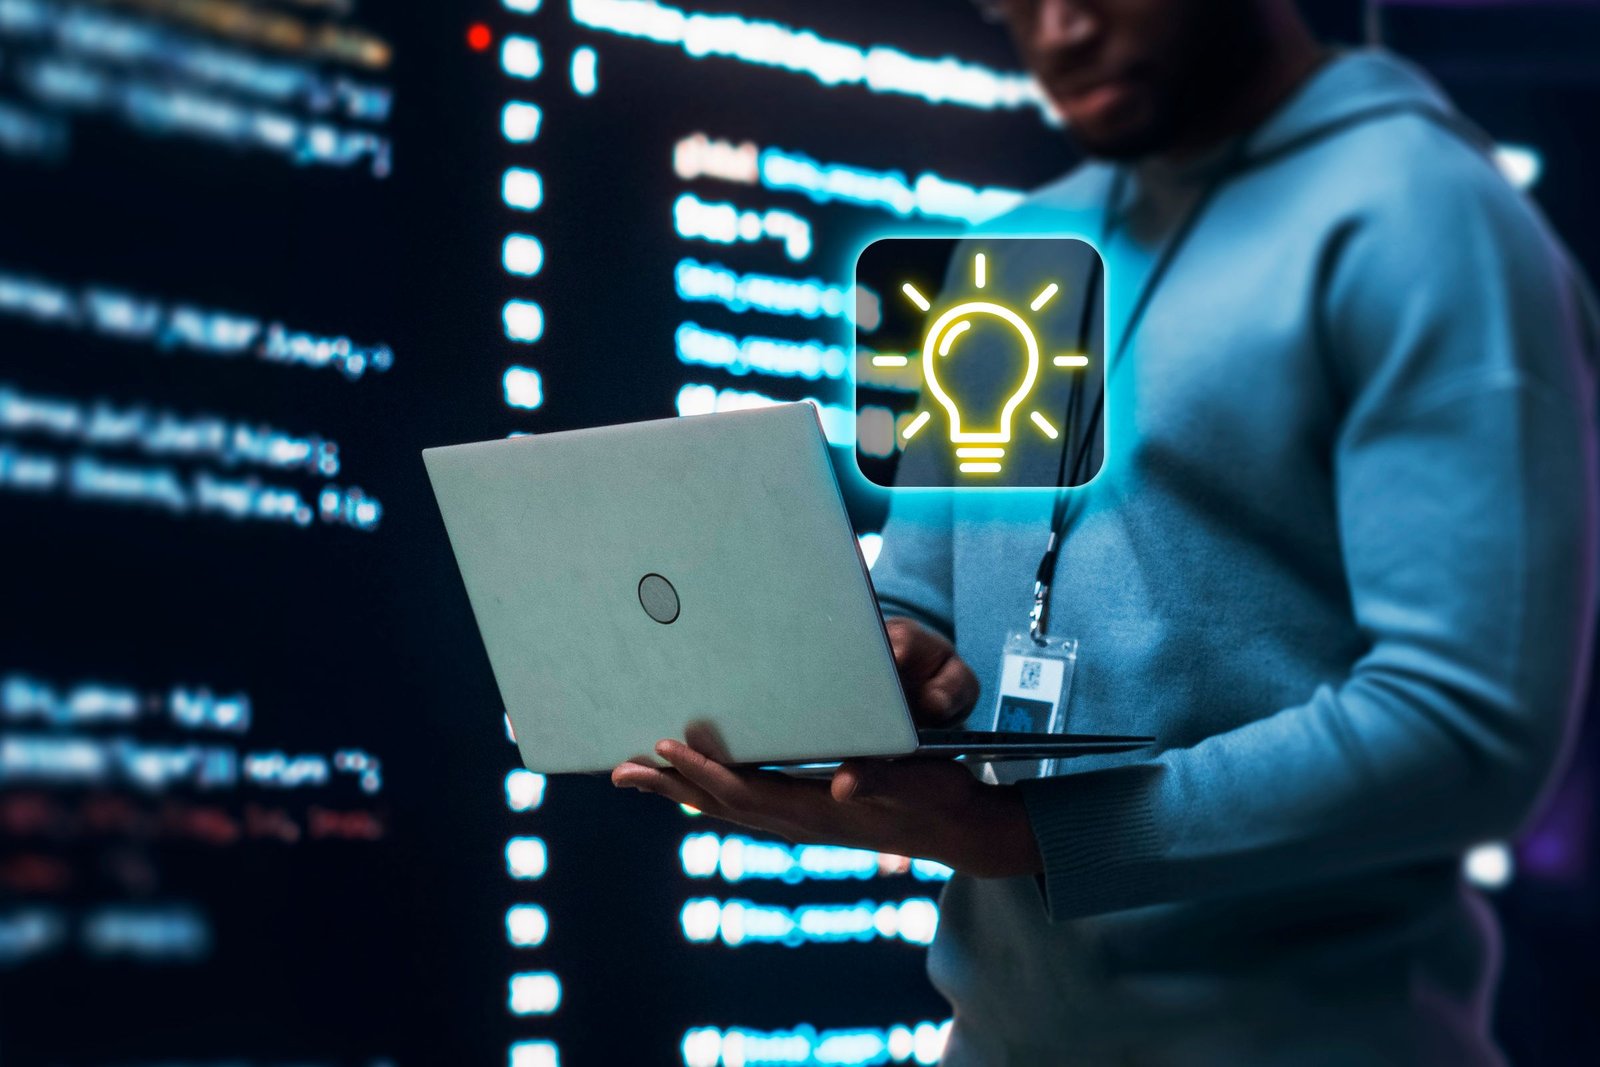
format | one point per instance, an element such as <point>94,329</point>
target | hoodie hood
<point>1350,89</point>
<point>1353,87</point>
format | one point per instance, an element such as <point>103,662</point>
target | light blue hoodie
<point>1340,560</point>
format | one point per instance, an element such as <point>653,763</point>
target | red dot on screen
<point>478,37</point>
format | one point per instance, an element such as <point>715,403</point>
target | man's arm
<point>1465,475</point>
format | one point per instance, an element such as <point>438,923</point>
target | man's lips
<point>1086,98</point>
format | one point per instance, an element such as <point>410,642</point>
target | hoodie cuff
<point>1097,835</point>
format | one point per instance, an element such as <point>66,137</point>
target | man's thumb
<point>856,781</point>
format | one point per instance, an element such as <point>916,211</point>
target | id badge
<point>1035,685</point>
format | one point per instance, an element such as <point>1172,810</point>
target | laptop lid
<point>633,582</point>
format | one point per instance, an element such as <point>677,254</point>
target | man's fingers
<point>724,783</point>
<point>938,682</point>
<point>664,783</point>
<point>856,780</point>
<point>901,634</point>
<point>704,737</point>
<point>767,799</point>
<point>919,653</point>
<point>670,785</point>
<point>629,775</point>
<point>952,691</point>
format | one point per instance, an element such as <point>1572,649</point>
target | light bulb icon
<point>989,434</point>
<point>980,438</point>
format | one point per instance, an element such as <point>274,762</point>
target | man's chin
<point>1130,125</point>
<point>1120,145</point>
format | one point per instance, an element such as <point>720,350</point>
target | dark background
<point>325,952</point>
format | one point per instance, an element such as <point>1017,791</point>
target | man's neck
<point>1293,55</point>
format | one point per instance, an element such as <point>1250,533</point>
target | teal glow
<point>929,196</point>
<point>831,63</point>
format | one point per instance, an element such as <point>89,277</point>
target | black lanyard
<point>1060,516</point>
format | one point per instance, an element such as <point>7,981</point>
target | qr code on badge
<point>1030,674</point>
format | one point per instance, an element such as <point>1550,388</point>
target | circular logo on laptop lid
<point>658,598</point>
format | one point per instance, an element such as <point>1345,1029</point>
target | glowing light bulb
<point>971,430</point>
<point>981,424</point>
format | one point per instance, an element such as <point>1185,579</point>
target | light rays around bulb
<point>940,339</point>
<point>916,297</point>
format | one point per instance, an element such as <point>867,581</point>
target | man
<point>1339,560</point>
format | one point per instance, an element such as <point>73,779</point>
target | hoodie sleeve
<point>913,575</point>
<point>1464,475</point>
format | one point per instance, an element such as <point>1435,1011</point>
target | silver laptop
<point>689,577</point>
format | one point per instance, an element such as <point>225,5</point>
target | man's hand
<point>930,809</point>
<point>939,685</point>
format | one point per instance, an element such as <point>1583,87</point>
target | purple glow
<point>1486,3</point>
<point>1557,849</point>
